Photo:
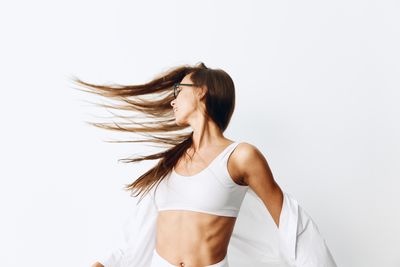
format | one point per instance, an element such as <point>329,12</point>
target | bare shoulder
<point>241,159</point>
<point>245,149</point>
<point>245,153</point>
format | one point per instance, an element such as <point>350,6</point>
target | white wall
<point>317,85</point>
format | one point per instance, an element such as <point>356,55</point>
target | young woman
<point>196,191</point>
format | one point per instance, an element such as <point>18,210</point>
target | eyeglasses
<point>177,88</point>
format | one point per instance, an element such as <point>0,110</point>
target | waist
<point>187,236</point>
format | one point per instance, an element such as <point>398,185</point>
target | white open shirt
<point>255,241</point>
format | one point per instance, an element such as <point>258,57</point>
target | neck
<point>206,134</point>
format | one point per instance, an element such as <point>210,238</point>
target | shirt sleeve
<point>114,257</point>
<point>301,243</point>
<point>257,241</point>
<point>139,234</point>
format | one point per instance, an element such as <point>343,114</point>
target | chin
<point>180,123</point>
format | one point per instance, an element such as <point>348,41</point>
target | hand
<point>97,264</point>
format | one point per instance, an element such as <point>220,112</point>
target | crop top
<point>212,190</point>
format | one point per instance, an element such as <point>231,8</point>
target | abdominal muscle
<point>193,239</point>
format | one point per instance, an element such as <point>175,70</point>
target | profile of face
<point>189,104</point>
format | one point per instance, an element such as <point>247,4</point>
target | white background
<point>317,86</point>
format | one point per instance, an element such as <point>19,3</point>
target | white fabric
<point>178,192</point>
<point>256,241</point>
<point>159,261</point>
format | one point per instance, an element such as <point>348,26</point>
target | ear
<point>202,91</point>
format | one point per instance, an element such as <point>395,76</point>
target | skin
<point>194,239</point>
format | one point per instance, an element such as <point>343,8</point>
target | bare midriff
<point>193,239</point>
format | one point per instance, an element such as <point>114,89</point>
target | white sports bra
<point>212,190</point>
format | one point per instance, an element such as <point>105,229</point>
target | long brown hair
<point>220,104</point>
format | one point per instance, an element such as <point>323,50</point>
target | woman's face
<point>188,102</point>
